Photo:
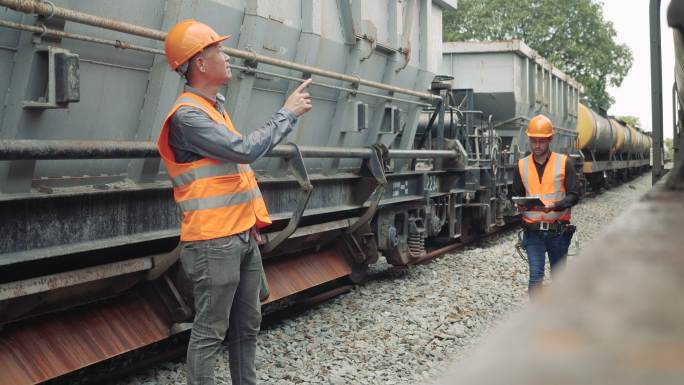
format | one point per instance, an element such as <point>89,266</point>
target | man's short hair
<point>183,70</point>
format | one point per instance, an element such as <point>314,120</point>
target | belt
<point>546,226</point>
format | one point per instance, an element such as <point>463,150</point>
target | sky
<point>633,97</point>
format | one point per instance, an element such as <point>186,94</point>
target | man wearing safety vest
<point>207,160</point>
<point>551,177</point>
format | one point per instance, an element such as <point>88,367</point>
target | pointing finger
<point>304,85</point>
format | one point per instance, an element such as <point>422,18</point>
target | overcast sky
<point>633,97</point>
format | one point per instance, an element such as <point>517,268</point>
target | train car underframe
<point>613,169</point>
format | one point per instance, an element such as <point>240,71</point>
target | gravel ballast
<point>406,327</point>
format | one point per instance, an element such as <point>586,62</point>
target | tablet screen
<point>528,201</point>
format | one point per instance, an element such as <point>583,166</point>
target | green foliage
<point>669,148</point>
<point>633,121</point>
<point>571,34</point>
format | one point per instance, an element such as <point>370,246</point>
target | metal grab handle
<point>296,165</point>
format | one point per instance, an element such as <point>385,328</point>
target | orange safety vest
<point>550,190</point>
<point>216,198</point>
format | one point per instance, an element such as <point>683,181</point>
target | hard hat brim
<point>222,38</point>
<point>539,135</point>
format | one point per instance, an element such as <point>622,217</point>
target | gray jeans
<point>226,274</point>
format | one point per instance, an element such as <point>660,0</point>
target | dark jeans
<point>537,244</point>
<point>226,274</point>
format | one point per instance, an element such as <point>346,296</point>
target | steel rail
<point>31,149</point>
<point>125,45</point>
<point>49,10</point>
<point>431,255</point>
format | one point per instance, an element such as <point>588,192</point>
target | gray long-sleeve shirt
<point>193,135</point>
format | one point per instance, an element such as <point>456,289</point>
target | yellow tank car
<point>594,132</point>
<point>620,137</point>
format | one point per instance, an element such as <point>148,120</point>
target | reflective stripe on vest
<point>216,198</point>
<point>219,201</point>
<point>551,188</point>
<point>204,172</point>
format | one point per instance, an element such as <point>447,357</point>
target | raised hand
<point>299,102</point>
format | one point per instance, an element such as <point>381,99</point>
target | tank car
<point>612,150</point>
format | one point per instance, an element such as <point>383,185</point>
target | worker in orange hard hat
<point>207,160</point>
<point>550,177</point>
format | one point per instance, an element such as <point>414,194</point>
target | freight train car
<point>613,151</point>
<point>511,82</point>
<point>88,253</point>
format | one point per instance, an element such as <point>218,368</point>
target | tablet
<point>530,201</point>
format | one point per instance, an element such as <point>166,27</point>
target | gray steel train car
<point>511,82</point>
<point>88,256</point>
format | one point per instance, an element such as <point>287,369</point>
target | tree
<point>669,148</point>
<point>633,121</point>
<point>572,34</point>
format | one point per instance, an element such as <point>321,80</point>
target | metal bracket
<point>183,312</point>
<point>296,165</point>
<point>252,62</point>
<point>162,262</point>
<point>372,41</point>
<point>376,166</point>
<point>406,51</point>
<point>355,85</point>
<point>59,83</point>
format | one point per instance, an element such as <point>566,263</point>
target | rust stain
<point>49,346</point>
<point>291,275</point>
<point>56,344</point>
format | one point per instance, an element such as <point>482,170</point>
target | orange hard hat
<point>188,38</point>
<point>540,127</point>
